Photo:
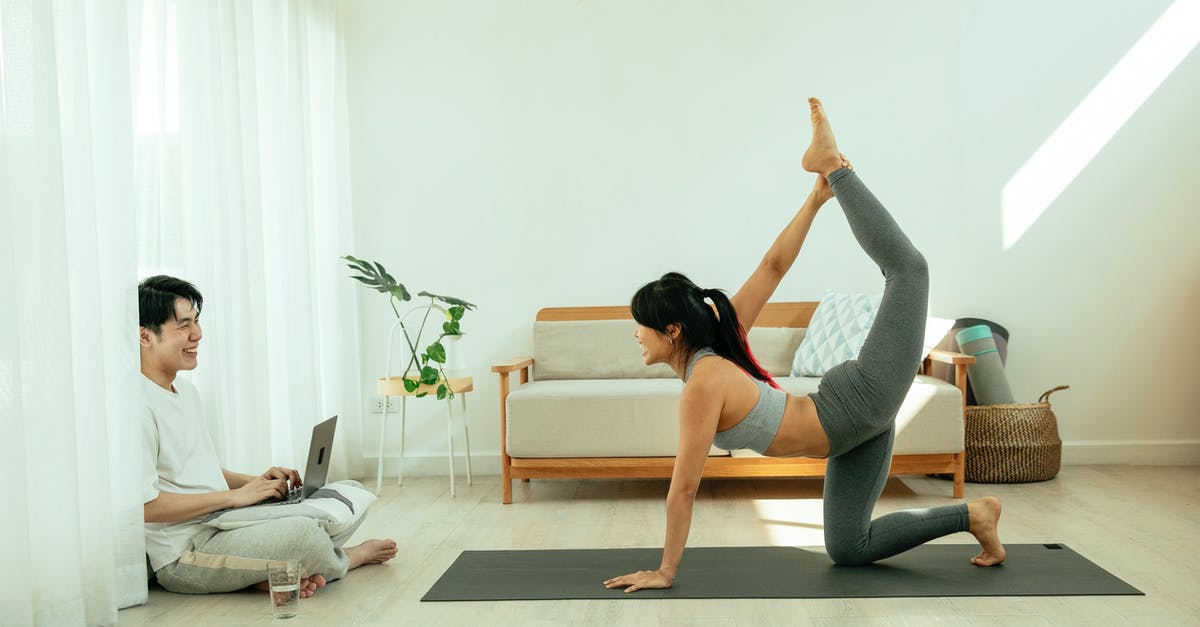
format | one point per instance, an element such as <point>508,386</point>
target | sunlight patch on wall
<point>1101,114</point>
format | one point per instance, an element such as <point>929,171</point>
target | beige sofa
<point>586,406</point>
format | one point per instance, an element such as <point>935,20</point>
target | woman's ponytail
<point>674,299</point>
<point>731,342</point>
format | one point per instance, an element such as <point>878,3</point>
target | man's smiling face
<point>173,348</point>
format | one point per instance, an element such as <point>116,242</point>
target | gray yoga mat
<point>931,570</point>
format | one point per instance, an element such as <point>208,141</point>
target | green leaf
<point>429,375</point>
<point>399,292</point>
<point>359,265</point>
<point>456,313</point>
<point>356,261</point>
<point>442,391</point>
<point>422,395</point>
<point>383,273</point>
<point>449,300</point>
<point>411,385</point>
<point>437,352</point>
<point>446,329</point>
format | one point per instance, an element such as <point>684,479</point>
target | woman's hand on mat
<point>642,579</point>
<point>259,489</point>
<point>290,475</point>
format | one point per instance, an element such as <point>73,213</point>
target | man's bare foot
<point>371,552</point>
<point>308,585</point>
<point>822,155</point>
<point>984,515</point>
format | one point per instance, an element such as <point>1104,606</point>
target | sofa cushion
<point>774,348</point>
<point>595,418</point>
<point>640,417</point>
<point>605,349</point>
<point>590,349</point>
<point>836,333</point>
<point>929,421</point>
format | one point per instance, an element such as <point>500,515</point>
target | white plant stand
<point>393,386</point>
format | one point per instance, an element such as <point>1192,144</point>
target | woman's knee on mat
<point>847,549</point>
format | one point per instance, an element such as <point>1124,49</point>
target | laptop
<point>318,464</point>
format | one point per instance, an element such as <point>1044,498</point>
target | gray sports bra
<point>757,430</point>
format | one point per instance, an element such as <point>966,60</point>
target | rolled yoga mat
<point>986,376</point>
<point>930,570</point>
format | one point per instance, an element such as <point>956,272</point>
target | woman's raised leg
<point>857,401</point>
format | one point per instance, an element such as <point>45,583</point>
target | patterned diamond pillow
<point>836,333</point>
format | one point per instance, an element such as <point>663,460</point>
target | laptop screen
<point>318,456</point>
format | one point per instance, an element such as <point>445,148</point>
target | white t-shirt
<point>179,457</point>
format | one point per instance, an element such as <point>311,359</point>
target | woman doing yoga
<point>730,401</point>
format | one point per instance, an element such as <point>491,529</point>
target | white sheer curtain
<point>71,541</point>
<point>243,189</point>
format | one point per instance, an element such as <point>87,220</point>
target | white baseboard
<point>434,465</point>
<point>1132,452</point>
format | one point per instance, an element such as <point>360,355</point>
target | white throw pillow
<point>836,333</point>
<point>338,506</point>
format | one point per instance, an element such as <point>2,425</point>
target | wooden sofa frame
<point>794,314</point>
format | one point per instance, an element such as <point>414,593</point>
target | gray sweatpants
<point>224,561</point>
<point>857,400</point>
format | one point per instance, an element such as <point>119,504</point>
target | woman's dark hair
<point>674,299</point>
<point>156,300</point>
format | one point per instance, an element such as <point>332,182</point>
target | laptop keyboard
<point>293,495</point>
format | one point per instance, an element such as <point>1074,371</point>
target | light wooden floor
<point>1140,523</point>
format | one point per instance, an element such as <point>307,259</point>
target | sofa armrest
<point>504,369</point>
<point>949,357</point>
<point>960,361</point>
<point>512,365</point>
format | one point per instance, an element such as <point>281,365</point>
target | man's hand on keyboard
<point>258,490</point>
<point>291,476</point>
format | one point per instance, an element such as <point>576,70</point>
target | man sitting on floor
<point>184,480</point>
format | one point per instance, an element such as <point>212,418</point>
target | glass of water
<point>284,580</point>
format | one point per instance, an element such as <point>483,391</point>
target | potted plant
<point>431,369</point>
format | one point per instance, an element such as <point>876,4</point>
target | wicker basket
<point>1015,443</point>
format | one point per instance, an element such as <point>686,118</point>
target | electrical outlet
<point>392,404</point>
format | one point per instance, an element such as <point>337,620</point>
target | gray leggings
<point>224,561</point>
<point>857,400</point>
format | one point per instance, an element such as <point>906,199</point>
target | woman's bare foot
<point>371,552</point>
<point>308,585</point>
<point>822,155</point>
<point>984,515</point>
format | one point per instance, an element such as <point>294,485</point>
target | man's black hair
<point>156,300</point>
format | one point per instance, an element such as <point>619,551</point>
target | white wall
<point>568,152</point>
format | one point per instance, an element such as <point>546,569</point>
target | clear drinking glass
<point>284,580</point>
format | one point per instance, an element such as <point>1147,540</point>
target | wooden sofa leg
<point>960,474</point>
<point>506,483</point>
<point>525,480</point>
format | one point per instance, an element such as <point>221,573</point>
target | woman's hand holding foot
<point>822,192</point>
